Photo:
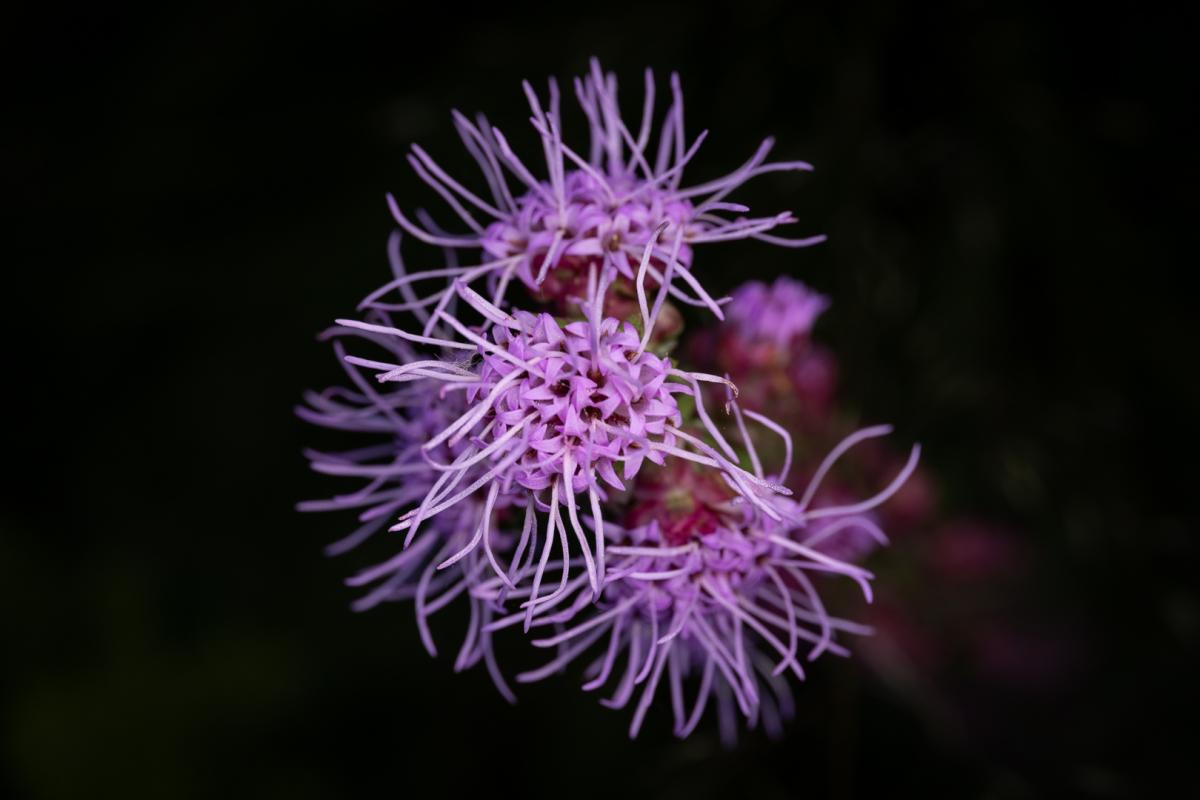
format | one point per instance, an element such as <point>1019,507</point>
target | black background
<point>196,192</point>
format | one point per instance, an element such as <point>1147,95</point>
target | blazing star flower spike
<point>724,602</point>
<point>557,407</point>
<point>545,468</point>
<point>597,209</point>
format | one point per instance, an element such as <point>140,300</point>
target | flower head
<point>393,474</point>
<point>596,207</point>
<point>775,314</point>
<point>592,399</point>
<point>766,348</point>
<point>554,406</point>
<point>724,601</point>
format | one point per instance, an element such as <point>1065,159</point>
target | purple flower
<point>555,407</point>
<point>562,471</point>
<point>778,313</point>
<point>588,409</point>
<point>594,209</point>
<point>393,474</point>
<point>719,615</point>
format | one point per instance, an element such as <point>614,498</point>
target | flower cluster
<point>547,460</point>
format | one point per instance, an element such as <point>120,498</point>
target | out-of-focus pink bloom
<point>1026,655</point>
<point>813,377</point>
<point>777,314</point>
<point>767,350</point>
<point>970,550</point>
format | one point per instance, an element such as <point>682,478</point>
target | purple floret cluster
<point>777,314</point>
<point>593,399</point>
<point>536,444</point>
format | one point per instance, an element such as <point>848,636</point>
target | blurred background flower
<point>996,180</point>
